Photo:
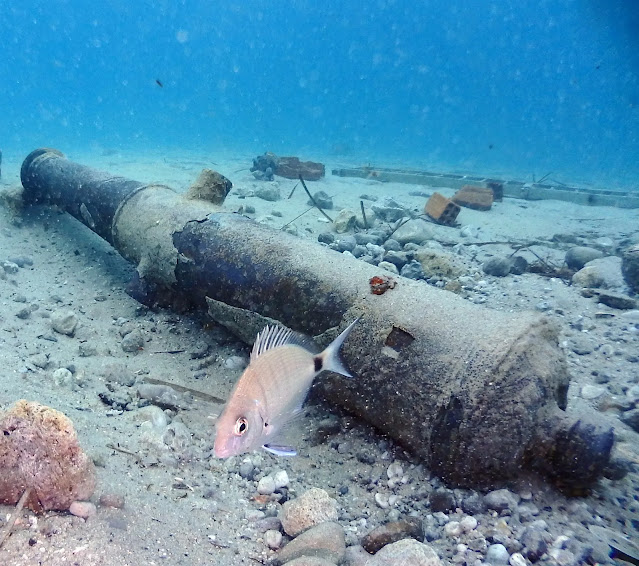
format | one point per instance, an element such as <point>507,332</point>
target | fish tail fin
<point>329,359</point>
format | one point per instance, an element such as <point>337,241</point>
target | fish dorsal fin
<point>269,338</point>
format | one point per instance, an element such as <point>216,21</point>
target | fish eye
<point>241,425</point>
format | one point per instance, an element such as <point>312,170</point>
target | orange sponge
<point>39,450</point>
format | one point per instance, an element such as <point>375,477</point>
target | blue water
<point>521,86</point>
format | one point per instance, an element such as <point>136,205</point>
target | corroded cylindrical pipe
<point>478,394</point>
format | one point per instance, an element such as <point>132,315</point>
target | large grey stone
<point>406,551</point>
<point>325,540</point>
<point>416,231</point>
<point>579,256</point>
<point>602,273</point>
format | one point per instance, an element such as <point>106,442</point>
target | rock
<point>473,504</point>
<point>326,541</point>
<point>62,376</point>
<point>590,392</point>
<point>497,554</point>
<point>453,529</point>
<point>616,300</point>
<point>468,524</point>
<point>292,168</point>
<point>392,532</point>
<point>21,261</point>
<point>398,259</point>
<point>579,256</point>
<point>602,273</point>
<point>364,238</point>
<point>10,267</point>
<point>346,244</point>
<point>281,479</point>
<point>266,486</point>
<point>322,199</point>
<point>412,270</point>
<point>265,165</point>
<point>112,500</point>
<point>24,313</point>
<point>442,500</point>
<point>309,509</point>
<point>235,363</point>
<point>388,267</point>
<point>326,238</point>
<point>270,193</point>
<point>83,509</point>
<point>580,346</point>
<point>497,266</point>
<point>344,221</point>
<point>133,341</point>
<point>392,245</point>
<point>210,186</point>
<point>534,541</point>
<point>416,231</point>
<point>273,539</point>
<point>406,551</point>
<point>64,322</point>
<point>500,500</point>
<point>163,396</point>
<point>389,210</point>
<point>247,469</point>
<point>630,267</point>
<point>518,265</point>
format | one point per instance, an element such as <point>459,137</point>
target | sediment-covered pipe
<point>478,394</point>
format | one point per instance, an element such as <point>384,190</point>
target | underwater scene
<point>319,283</point>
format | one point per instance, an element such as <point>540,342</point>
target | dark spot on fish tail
<point>318,364</point>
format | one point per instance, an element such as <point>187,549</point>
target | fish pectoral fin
<point>280,450</point>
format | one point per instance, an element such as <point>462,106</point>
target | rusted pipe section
<point>478,394</point>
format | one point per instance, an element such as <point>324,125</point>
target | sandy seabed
<point>182,506</point>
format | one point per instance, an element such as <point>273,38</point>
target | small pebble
<point>234,362</point>
<point>453,529</point>
<point>247,470</point>
<point>64,322</point>
<point>394,470</point>
<point>273,539</point>
<point>133,341</point>
<point>112,500</point>
<point>266,486</point>
<point>468,524</point>
<point>83,509</point>
<point>497,554</point>
<point>10,267</point>
<point>281,479</point>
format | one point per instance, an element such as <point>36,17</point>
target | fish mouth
<point>222,452</point>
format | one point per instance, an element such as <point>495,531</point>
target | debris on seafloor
<point>269,164</point>
<point>477,198</point>
<point>40,452</point>
<point>442,209</point>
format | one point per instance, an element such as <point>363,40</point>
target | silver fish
<point>272,390</point>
